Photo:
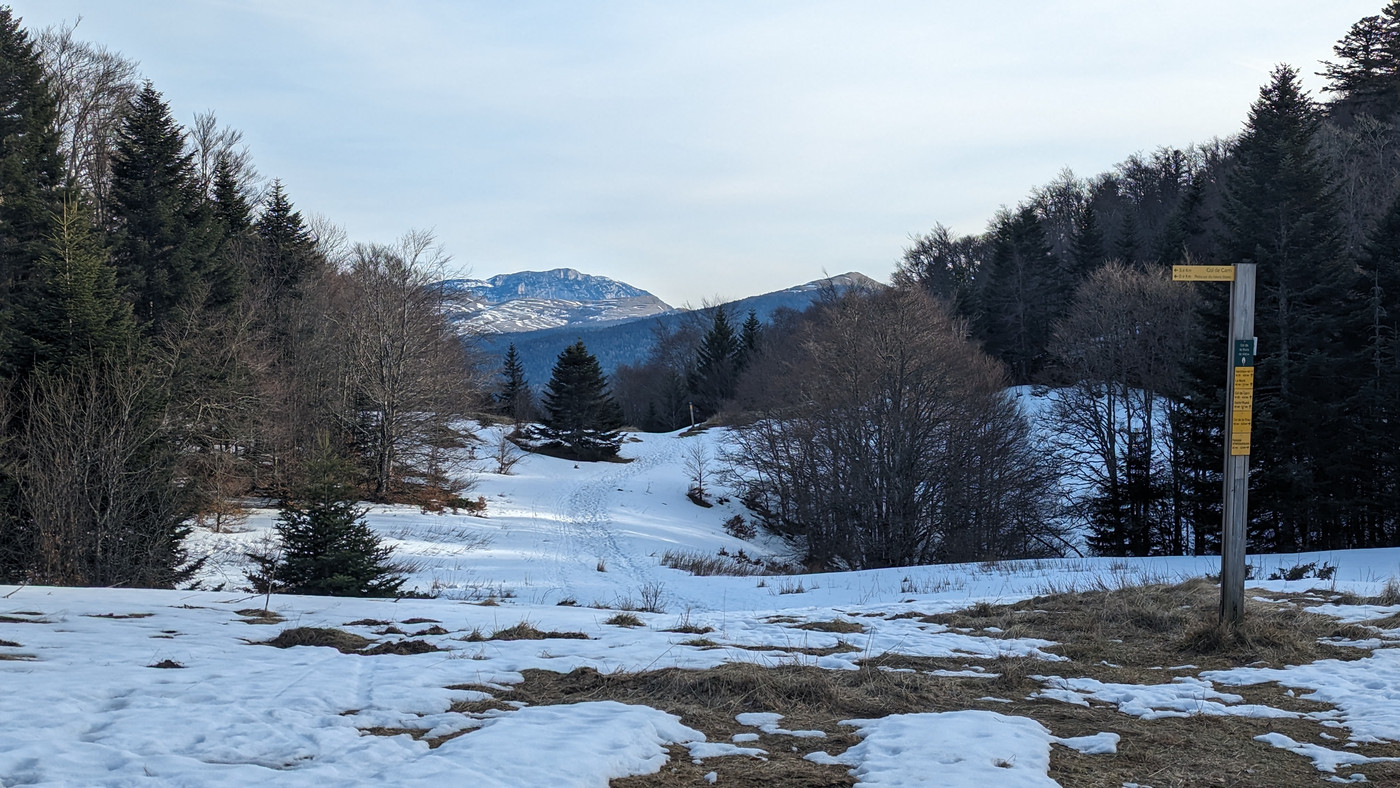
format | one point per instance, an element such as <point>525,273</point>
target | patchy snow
<point>1185,696</point>
<point>1324,759</point>
<point>559,538</point>
<point>1366,691</point>
<point>958,748</point>
<point>768,723</point>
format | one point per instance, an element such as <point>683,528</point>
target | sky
<point>699,150</point>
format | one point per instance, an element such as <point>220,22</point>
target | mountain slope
<point>535,300</point>
<point>629,341</point>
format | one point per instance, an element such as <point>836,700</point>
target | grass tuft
<point>338,639</point>
<point>625,620</point>
<point>527,631</point>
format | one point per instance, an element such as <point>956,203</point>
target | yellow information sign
<point>1242,412</point>
<point>1239,444</point>
<point>1203,273</point>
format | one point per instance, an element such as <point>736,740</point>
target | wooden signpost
<point>1238,425</point>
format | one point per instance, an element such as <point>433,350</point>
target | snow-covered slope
<point>564,549</point>
<point>534,300</point>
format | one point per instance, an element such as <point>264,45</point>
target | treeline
<point>1069,290</point>
<point>175,334</point>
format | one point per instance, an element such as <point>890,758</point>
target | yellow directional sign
<point>1203,273</point>
<point>1243,384</point>
<point>1239,444</point>
<point>1242,412</point>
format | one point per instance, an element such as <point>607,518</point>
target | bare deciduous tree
<point>1120,352</point>
<point>92,86</point>
<point>97,471</point>
<point>890,441</point>
<point>407,369</point>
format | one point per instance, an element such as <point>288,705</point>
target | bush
<point>326,549</point>
<point>740,528</point>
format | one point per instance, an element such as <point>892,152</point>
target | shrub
<point>740,528</point>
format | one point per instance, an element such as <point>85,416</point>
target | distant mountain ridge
<point>629,340</point>
<point>536,300</point>
<point>563,284</point>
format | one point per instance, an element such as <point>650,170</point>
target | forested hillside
<point>174,333</point>
<point>1068,288</point>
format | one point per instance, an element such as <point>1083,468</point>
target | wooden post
<point>1238,428</point>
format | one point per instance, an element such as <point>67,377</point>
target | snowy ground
<point>566,548</point>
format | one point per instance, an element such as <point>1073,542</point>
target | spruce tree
<point>166,241</point>
<point>288,254</point>
<point>581,417</point>
<point>1279,214</point>
<point>1086,250</point>
<point>326,546</point>
<point>230,206</point>
<point>514,399</point>
<point>1375,408</point>
<point>1125,247</point>
<point>750,337</point>
<point>31,171</point>
<point>1022,293</point>
<point>717,362</point>
<point>72,315</point>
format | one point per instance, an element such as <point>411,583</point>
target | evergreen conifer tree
<point>288,253</point>
<point>581,417</point>
<point>1366,75</point>
<point>1375,408</point>
<point>72,314</point>
<point>231,206</point>
<point>1086,244</point>
<point>1279,214</point>
<point>1021,295</point>
<point>514,399</point>
<point>327,548</point>
<point>1125,247</point>
<point>31,171</point>
<point>166,241</point>
<point>717,363</point>
<point>750,336</point>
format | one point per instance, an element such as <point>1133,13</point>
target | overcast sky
<point>699,149</point>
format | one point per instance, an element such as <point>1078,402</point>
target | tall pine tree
<point>1022,293</point>
<point>514,399</point>
<point>1279,214</point>
<point>31,171</point>
<point>167,242</point>
<point>717,362</point>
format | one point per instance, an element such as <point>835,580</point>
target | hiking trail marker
<point>1239,424</point>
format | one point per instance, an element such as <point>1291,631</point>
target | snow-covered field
<point>567,549</point>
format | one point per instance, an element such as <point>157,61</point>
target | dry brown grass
<point>835,625</point>
<point>625,620</point>
<point>1133,629</point>
<point>1156,626</point>
<point>338,639</point>
<point>9,644</point>
<point>1182,752</point>
<point>257,615</point>
<point>119,616</point>
<point>402,647</point>
<point>523,631</point>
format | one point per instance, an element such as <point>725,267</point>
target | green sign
<point>1244,352</point>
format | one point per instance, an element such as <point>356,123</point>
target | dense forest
<point>1070,291</point>
<point>176,335</point>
